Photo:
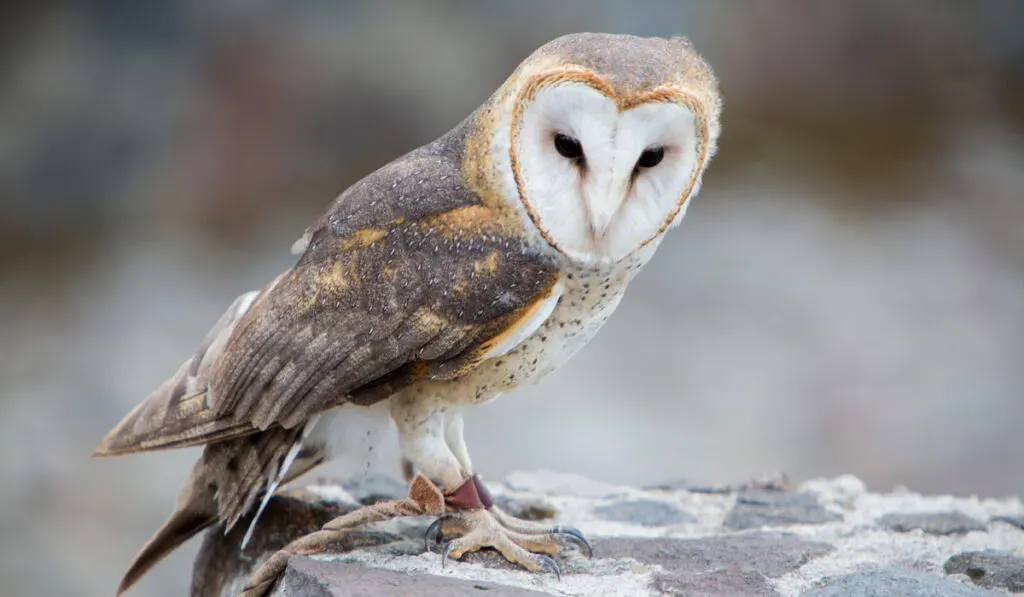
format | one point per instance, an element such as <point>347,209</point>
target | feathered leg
<point>432,439</point>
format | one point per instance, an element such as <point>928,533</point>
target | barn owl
<point>457,272</point>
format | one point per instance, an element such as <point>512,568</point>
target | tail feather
<point>230,475</point>
<point>227,481</point>
<point>196,510</point>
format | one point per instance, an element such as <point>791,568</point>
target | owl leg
<point>431,436</point>
<point>424,499</point>
<point>473,517</point>
<point>457,445</point>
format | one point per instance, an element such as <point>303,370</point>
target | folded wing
<point>420,282</point>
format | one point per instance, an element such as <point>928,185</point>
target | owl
<point>480,261</point>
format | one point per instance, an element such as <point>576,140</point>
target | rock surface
<point>990,568</point>
<point>648,513</point>
<point>896,582</point>
<point>935,523</point>
<point>315,578</point>
<point>1017,521</point>
<point>772,509</point>
<point>823,538</point>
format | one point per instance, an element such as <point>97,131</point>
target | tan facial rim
<point>665,94</point>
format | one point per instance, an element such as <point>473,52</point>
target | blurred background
<point>846,295</point>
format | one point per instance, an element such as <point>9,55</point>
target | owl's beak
<point>601,215</point>
<point>598,227</point>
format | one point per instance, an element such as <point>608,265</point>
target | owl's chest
<point>587,301</point>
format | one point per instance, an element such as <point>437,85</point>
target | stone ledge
<point>824,538</point>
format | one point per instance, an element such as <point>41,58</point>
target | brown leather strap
<point>471,495</point>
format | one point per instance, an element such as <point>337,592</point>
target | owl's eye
<point>568,147</point>
<point>651,157</point>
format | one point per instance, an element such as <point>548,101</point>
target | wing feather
<point>419,282</point>
<point>177,413</point>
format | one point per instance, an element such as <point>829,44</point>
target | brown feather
<point>421,274</point>
<point>226,480</point>
<point>407,271</point>
<point>196,509</point>
<point>177,414</point>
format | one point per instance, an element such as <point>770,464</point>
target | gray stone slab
<point>934,523</point>
<point>770,554</point>
<point>897,582</point>
<point>307,577</point>
<point>989,568</point>
<point>1017,521</point>
<point>725,563</point>
<point>776,509</point>
<point>730,582</point>
<point>648,513</point>
<point>771,482</point>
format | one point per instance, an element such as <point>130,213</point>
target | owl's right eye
<point>568,147</point>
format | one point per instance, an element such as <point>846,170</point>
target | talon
<point>558,533</point>
<point>434,528</point>
<point>530,545</point>
<point>574,536</point>
<point>446,552</point>
<point>548,564</point>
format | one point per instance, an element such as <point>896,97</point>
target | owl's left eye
<point>651,157</point>
<point>568,147</point>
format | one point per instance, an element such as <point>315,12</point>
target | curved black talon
<point>445,552</point>
<point>548,564</point>
<point>435,527</point>
<point>575,537</point>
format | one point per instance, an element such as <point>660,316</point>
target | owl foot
<point>527,527</point>
<point>559,533</point>
<point>481,528</point>
<point>424,499</point>
<point>482,524</point>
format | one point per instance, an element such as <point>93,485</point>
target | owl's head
<point>603,139</point>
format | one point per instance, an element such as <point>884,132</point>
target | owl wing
<point>419,281</point>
